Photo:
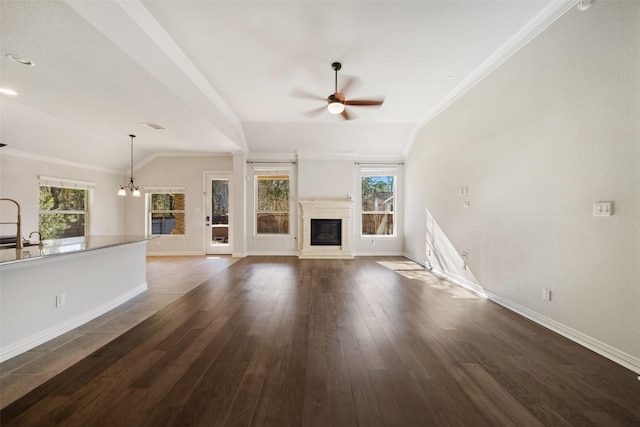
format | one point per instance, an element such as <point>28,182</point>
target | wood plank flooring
<point>168,278</point>
<point>277,341</point>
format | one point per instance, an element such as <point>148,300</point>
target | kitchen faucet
<point>18,224</point>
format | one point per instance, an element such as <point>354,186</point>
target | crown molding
<point>316,155</point>
<point>38,157</point>
<point>527,33</point>
<point>380,158</point>
<point>154,156</point>
<point>258,156</point>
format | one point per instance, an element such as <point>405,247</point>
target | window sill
<point>170,236</point>
<point>378,236</point>
<point>272,236</point>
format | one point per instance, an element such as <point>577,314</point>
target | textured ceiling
<point>218,74</point>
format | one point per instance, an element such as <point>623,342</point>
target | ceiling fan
<point>336,102</point>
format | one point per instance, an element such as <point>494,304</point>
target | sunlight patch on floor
<point>401,265</point>
<point>414,271</point>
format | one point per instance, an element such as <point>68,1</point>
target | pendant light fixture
<point>135,191</point>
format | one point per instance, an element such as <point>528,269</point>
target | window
<point>166,211</point>
<point>63,208</point>
<point>378,205</point>
<point>272,204</point>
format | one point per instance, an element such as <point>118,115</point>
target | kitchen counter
<point>50,290</point>
<point>69,246</point>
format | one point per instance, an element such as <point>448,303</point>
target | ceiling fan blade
<point>345,115</point>
<point>364,102</point>
<point>315,112</point>
<point>348,83</point>
<point>299,93</point>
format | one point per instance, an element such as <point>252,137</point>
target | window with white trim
<point>378,202</point>
<point>165,211</point>
<point>63,208</point>
<point>272,200</point>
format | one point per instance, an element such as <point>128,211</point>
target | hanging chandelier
<point>135,191</point>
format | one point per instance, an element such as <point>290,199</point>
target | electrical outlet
<point>546,294</point>
<point>60,300</point>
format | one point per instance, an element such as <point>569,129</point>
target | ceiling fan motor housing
<point>336,97</point>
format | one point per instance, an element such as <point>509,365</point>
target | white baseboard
<point>41,337</point>
<point>461,281</point>
<point>175,253</point>
<point>628,361</point>
<point>605,350</point>
<point>272,253</point>
<point>363,254</point>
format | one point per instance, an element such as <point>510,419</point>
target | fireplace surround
<point>335,234</point>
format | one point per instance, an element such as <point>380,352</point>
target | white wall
<point>551,131</point>
<point>339,178</point>
<point>19,181</point>
<point>315,177</point>
<point>326,179</point>
<point>93,283</point>
<point>181,171</point>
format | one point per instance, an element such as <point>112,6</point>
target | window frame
<point>368,172</point>
<point>86,186</point>
<point>149,192</point>
<point>265,175</point>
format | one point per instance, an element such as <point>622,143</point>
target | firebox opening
<point>326,232</point>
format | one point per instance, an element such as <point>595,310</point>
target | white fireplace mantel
<point>325,209</point>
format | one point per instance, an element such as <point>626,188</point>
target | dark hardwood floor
<point>277,341</point>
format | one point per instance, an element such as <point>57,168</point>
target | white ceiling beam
<point>131,27</point>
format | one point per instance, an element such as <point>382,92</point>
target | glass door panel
<point>218,215</point>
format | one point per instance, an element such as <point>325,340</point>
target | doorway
<point>218,216</point>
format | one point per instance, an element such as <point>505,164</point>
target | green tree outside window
<point>272,205</point>
<point>62,213</point>
<point>378,205</point>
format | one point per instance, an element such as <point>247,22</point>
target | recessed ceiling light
<point>19,60</point>
<point>8,91</point>
<point>585,4</point>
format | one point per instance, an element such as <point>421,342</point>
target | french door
<point>218,217</point>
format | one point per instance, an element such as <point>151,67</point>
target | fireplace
<point>326,232</point>
<point>325,229</point>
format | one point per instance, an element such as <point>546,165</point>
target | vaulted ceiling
<point>219,75</point>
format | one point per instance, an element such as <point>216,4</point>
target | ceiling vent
<point>155,126</point>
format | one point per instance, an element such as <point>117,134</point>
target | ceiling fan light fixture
<point>335,107</point>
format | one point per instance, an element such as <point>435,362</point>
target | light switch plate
<point>602,208</point>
